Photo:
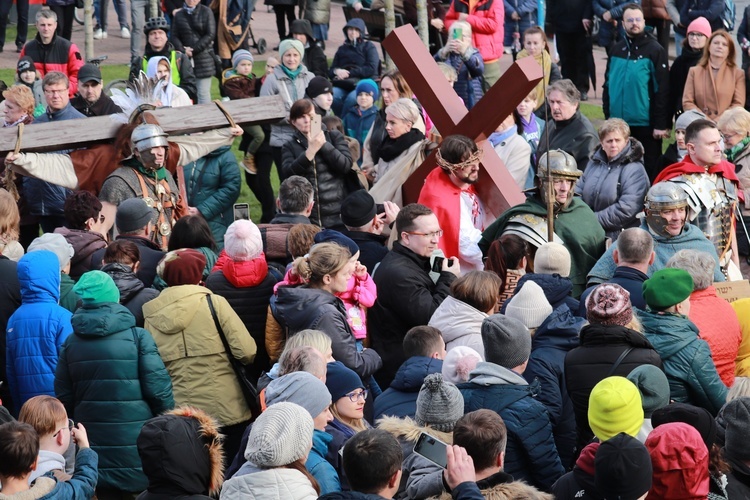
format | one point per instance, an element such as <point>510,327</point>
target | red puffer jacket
<point>486,20</point>
<point>58,55</point>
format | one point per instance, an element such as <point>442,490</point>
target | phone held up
<point>437,264</point>
<point>241,211</point>
<point>432,449</point>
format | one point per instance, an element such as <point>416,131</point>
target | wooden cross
<point>496,188</point>
<point>73,134</point>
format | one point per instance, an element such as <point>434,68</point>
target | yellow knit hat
<point>615,407</point>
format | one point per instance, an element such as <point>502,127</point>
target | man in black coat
<point>407,294</point>
<point>571,22</point>
<point>365,221</point>
<point>91,101</point>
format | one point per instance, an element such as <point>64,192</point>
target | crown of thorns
<point>474,157</point>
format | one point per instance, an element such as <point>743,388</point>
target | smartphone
<point>458,33</point>
<point>315,125</point>
<point>379,208</point>
<point>437,264</point>
<point>241,211</point>
<point>432,449</point>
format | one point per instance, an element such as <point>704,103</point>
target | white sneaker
<point>124,32</point>
<point>98,34</point>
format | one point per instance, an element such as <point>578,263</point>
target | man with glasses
<point>407,293</point>
<point>636,86</point>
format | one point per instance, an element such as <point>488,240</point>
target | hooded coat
<point>84,244</point>
<point>591,362</point>
<point>110,378</point>
<point>400,399</point>
<point>530,454</point>
<point>691,372</point>
<point>279,483</point>
<point>680,462</point>
<point>182,327</point>
<point>133,293</point>
<point>37,330</point>
<point>196,30</point>
<point>460,324</point>
<point>315,59</point>
<point>359,58</point>
<point>615,189</point>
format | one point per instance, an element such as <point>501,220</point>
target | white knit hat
<point>529,305</point>
<point>281,436</point>
<point>243,241</point>
<point>552,258</point>
<point>459,363</point>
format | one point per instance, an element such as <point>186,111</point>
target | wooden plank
<point>45,137</point>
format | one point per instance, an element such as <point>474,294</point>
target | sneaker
<point>124,32</point>
<point>99,34</point>
<point>248,163</point>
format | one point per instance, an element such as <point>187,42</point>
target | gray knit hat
<point>55,243</point>
<point>688,117</point>
<point>300,388</point>
<point>529,305</point>
<point>737,417</point>
<point>439,404</point>
<point>506,341</point>
<point>653,386</point>
<point>281,436</point>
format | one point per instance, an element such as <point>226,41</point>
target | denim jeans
<point>139,11</point>
<point>101,9</point>
<point>343,100</point>
<point>203,89</point>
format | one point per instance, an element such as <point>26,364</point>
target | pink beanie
<point>700,25</point>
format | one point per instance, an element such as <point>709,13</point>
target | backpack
<point>728,14</point>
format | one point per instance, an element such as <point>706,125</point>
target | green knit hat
<point>96,287</point>
<point>666,288</point>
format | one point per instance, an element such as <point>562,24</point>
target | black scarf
<point>392,148</point>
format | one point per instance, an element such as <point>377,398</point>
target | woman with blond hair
<point>18,106</point>
<point>715,84</point>
<point>9,227</point>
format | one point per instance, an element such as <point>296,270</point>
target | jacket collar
<point>422,262</point>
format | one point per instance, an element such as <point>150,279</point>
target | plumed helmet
<point>664,196</point>
<point>147,136</point>
<point>561,164</point>
<point>156,23</point>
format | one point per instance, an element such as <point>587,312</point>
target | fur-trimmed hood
<point>501,486</point>
<point>406,429</point>
<point>182,453</point>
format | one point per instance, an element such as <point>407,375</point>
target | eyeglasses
<point>55,91</point>
<point>355,396</point>
<point>633,20</point>
<point>433,234</point>
<point>729,136</point>
<point>695,34</point>
<point>70,426</point>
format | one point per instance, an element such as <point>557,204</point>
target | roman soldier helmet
<point>561,165</point>
<point>147,136</point>
<point>663,196</point>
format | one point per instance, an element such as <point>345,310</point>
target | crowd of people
<point>157,343</point>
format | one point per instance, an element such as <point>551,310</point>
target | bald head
<point>634,246</point>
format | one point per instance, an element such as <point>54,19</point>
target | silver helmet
<point>147,136</point>
<point>664,196</point>
<point>561,165</point>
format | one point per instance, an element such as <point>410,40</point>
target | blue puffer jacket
<point>400,399</point>
<point>469,68</point>
<point>213,185</point>
<point>615,189</point>
<point>556,289</point>
<point>37,330</point>
<point>691,372</point>
<point>358,123</point>
<point>361,58</point>
<point>530,454</point>
<point>111,378</point>
<point>319,467</point>
<point>552,341</point>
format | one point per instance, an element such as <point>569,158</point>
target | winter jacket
<point>81,484</point>
<point>712,94</point>
<point>576,136</point>
<point>133,294</point>
<point>150,253</point>
<point>84,243</point>
<point>718,325</point>
<point>278,83</point>
<point>665,247</point>
<point>578,484</point>
<point>318,12</point>
<point>358,122</point>
<point>530,454</point>
<point>556,289</point>
<point>486,18</point>
<point>527,11</point>
<point>372,248</point>
<point>592,361</point>
<point>469,67</point>
<point>400,399</point>
<point>691,372</point>
<point>269,484</point>
<point>565,15</point>
<point>679,459</point>
<point>460,324</point>
<point>213,185</point>
<point>739,479</point>
<point>318,466</point>
<point>742,309</point>
<point>184,330</point>
<point>236,86</point>
<point>554,338</point>
<point>299,307</point>
<point>502,486</point>
<point>327,173</point>
<point>247,286</point>
<point>59,55</point>
<point>576,225</point>
<point>359,58</point>
<point>181,68</point>
<point>615,189</point>
<point>402,273</point>
<point>197,31</point>
<point>630,279</point>
<point>68,298</point>
<point>636,85</point>
<point>110,378</point>
<point>678,75</point>
<point>10,300</point>
<point>710,9</point>
<point>36,330</point>
<point>105,106</point>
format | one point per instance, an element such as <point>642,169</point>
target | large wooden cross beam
<point>45,137</point>
<point>496,188</point>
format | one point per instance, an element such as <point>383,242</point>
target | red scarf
<point>686,166</point>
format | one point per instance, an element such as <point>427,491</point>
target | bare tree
<point>422,23</point>
<point>390,25</point>
<point>88,29</point>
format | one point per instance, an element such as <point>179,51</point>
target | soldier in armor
<point>712,189</point>
<point>575,224</point>
<point>667,214</point>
